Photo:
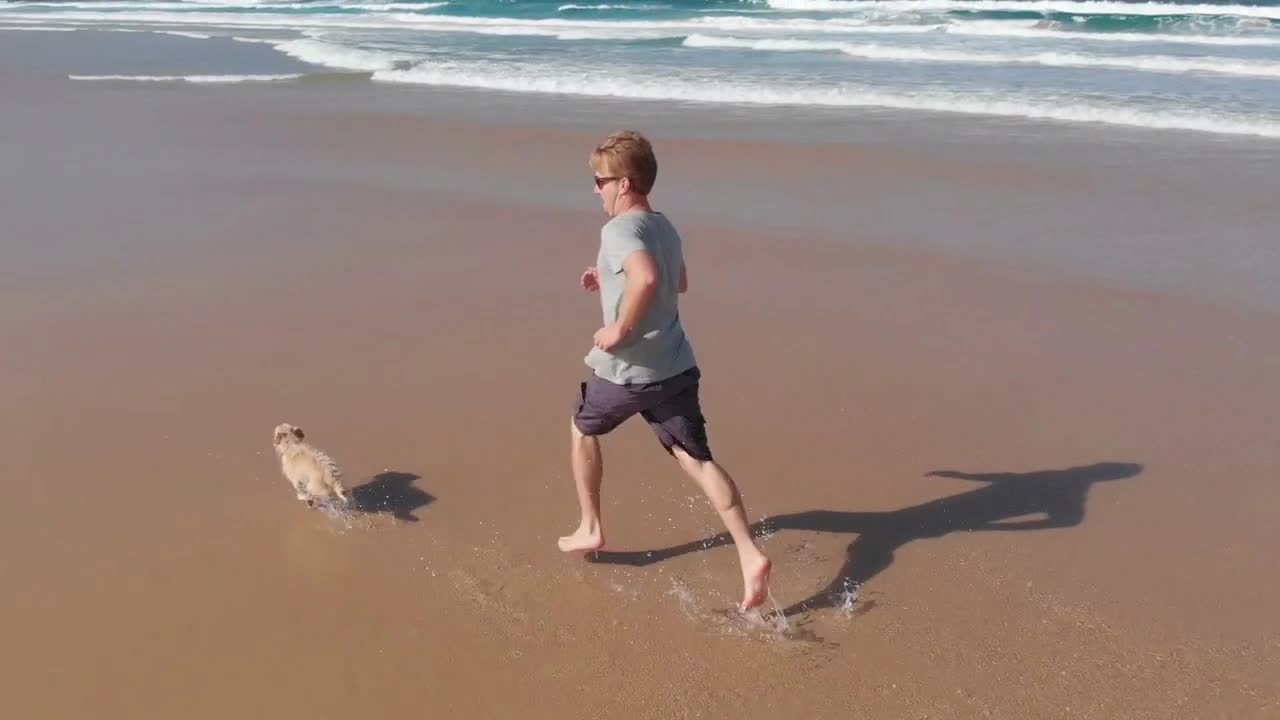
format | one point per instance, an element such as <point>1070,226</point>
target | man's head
<point>625,170</point>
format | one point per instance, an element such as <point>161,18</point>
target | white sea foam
<point>28,28</point>
<point>571,6</point>
<point>1141,63</point>
<point>1078,7</point>
<point>587,29</point>
<point>184,33</point>
<point>592,82</point>
<point>559,28</point>
<point>319,52</point>
<point>262,41</point>
<point>1032,31</point>
<point>395,6</point>
<point>54,7</point>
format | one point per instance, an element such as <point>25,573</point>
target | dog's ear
<point>297,432</point>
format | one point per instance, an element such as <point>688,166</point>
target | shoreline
<point>1176,214</point>
<point>1038,113</point>
<point>251,55</point>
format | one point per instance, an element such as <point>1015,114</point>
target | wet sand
<point>1056,489</point>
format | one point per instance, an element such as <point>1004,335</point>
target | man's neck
<point>627,203</point>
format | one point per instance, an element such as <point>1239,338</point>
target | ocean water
<point>1210,66</point>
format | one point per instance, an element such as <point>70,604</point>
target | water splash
<point>344,514</point>
<point>769,625</point>
<point>847,598</point>
<point>684,598</point>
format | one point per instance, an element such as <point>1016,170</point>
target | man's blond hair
<point>627,154</point>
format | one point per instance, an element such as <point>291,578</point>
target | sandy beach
<point>1048,465</point>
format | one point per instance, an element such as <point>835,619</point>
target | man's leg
<point>723,494</point>
<point>588,473</point>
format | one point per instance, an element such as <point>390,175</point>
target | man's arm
<point>642,282</point>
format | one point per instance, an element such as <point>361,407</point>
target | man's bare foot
<point>586,537</point>
<point>755,581</point>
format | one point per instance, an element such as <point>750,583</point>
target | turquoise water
<point>1209,66</point>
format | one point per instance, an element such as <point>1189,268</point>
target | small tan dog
<point>311,472</point>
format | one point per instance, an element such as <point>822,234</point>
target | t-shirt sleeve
<point>616,243</point>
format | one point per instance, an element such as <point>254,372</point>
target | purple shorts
<point>669,406</point>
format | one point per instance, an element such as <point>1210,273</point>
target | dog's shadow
<point>393,493</point>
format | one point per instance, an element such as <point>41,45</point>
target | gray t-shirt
<point>656,348</point>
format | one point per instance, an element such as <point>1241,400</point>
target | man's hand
<point>609,337</point>
<point>590,279</point>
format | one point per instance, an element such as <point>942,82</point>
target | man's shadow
<point>1056,499</point>
<point>391,492</point>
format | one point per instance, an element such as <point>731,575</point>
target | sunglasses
<point>602,181</point>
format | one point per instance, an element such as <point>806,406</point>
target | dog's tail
<point>332,473</point>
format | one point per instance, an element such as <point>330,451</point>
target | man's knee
<point>577,433</point>
<point>689,463</point>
